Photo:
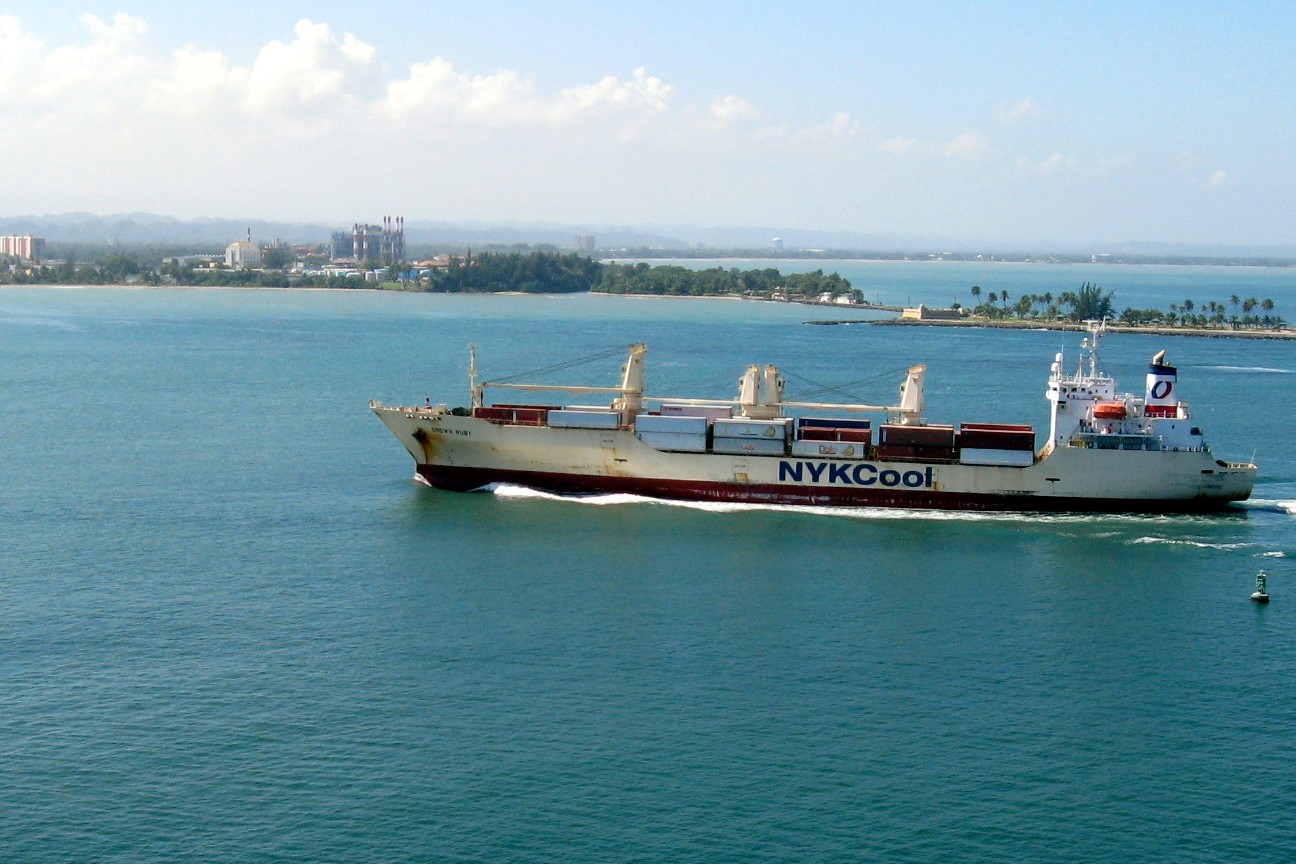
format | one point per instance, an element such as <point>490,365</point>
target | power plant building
<point>383,243</point>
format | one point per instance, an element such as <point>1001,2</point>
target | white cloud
<point>1052,165</point>
<point>312,69</point>
<point>641,93</point>
<point>1020,110</point>
<point>18,54</point>
<point>732,109</point>
<point>1219,178</point>
<point>968,147</point>
<point>98,74</point>
<point>435,91</point>
<point>899,146</point>
<point>840,126</point>
<point>196,83</point>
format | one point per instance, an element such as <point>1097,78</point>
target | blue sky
<point>976,122</point>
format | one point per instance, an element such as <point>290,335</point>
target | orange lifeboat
<point>1109,411</point>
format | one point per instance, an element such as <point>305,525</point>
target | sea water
<point>232,628</point>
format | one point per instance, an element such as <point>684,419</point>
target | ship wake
<point>871,514</point>
<point>1269,506</point>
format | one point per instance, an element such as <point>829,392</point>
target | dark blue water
<point>232,628</point>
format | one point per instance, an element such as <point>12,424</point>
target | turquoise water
<point>232,628</point>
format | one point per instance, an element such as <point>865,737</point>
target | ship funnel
<point>1160,399</point>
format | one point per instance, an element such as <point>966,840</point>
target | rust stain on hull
<point>427,443</point>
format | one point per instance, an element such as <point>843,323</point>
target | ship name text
<point>859,474</point>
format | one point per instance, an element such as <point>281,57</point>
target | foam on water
<point>1183,541</point>
<point>1269,506</point>
<point>509,490</point>
<point>1249,369</point>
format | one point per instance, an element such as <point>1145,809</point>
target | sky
<point>1095,122</point>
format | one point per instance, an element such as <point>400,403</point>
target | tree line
<point>1092,303</point>
<point>766,283</point>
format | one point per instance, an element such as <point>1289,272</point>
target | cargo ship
<point>1105,451</point>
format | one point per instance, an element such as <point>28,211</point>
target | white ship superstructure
<point>1104,451</point>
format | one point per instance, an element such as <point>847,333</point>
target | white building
<point>23,246</point>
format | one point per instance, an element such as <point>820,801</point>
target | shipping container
<point>997,427</point>
<point>835,422</point>
<point>834,449</point>
<point>915,453</point>
<point>817,433</point>
<point>711,412</point>
<point>748,446</point>
<point>519,415</point>
<point>986,439</point>
<point>570,419</point>
<point>776,429</point>
<point>918,436</point>
<point>684,442</point>
<point>658,423</point>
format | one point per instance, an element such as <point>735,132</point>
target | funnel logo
<point>1161,389</point>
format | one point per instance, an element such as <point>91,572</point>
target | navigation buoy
<point>1260,595</point>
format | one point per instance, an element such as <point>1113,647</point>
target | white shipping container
<point>711,412</point>
<point>1013,458</point>
<point>569,419</point>
<point>835,449</point>
<point>776,430</point>
<point>748,446</point>
<point>657,423</point>
<point>686,442</point>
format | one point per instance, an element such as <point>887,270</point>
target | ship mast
<point>473,387</point>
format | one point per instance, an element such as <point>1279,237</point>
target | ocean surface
<point>233,629</point>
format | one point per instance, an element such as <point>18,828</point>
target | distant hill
<point>150,228</point>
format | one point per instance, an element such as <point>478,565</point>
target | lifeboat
<point>1109,411</point>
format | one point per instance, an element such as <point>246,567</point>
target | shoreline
<point>1064,326</point>
<point>984,323</point>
